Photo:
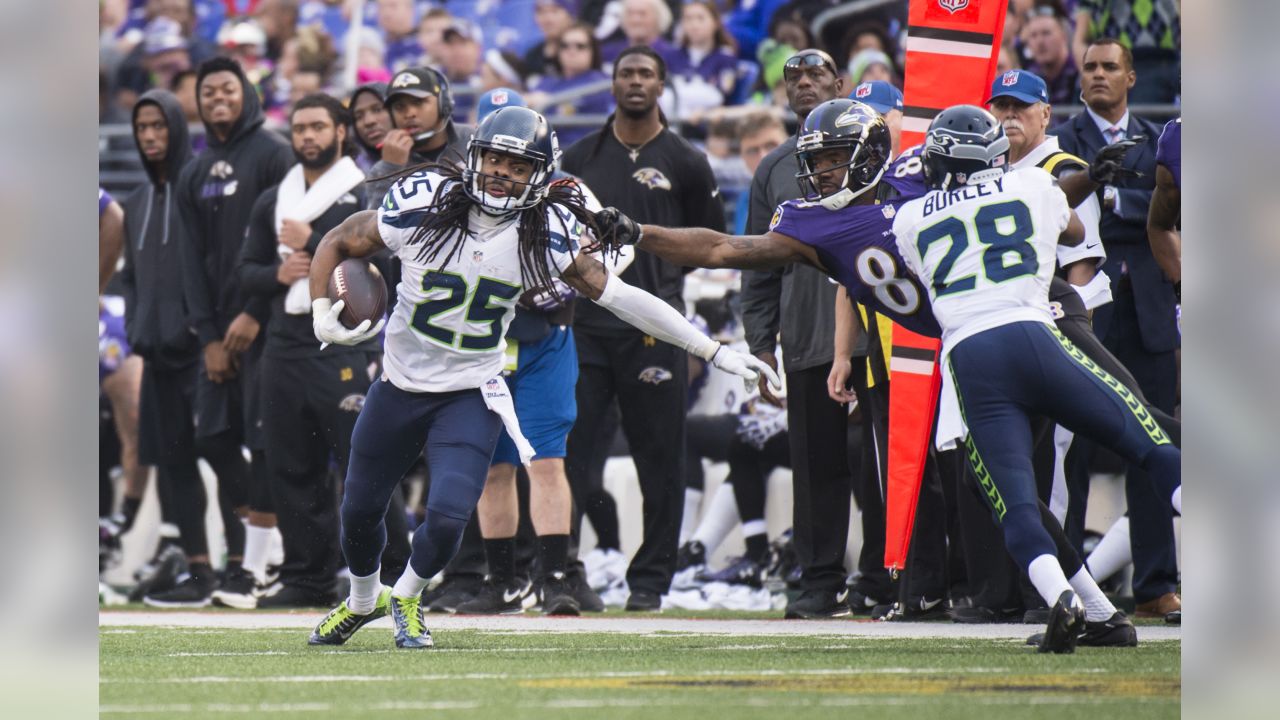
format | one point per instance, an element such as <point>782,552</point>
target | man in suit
<point>1140,325</point>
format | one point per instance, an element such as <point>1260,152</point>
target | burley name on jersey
<point>447,331</point>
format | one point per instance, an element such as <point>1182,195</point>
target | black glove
<point>1108,164</point>
<point>618,227</point>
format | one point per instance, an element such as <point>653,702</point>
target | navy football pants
<point>1008,374</point>
<point>459,433</point>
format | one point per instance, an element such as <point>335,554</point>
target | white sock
<point>1046,574</point>
<point>1112,553</point>
<point>275,555</point>
<point>364,593</point>
<point>754,527</point>
<point>1177,499</point>
<point>721,516</point>
<point>1096,605</point>
<point>257,544</point>
<point>692,499</point>
<point>409,583</point>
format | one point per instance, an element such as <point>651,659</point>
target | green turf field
<point>478,674</point>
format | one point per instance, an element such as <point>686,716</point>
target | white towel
<point>295,201</point>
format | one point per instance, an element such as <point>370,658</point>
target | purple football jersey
<point>857,246</point>
<point>1169,149</point>
<point>906,173</point>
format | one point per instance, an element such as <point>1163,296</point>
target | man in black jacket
<point>310,398</point>
<point>1140,325</point>
<point>370,122</point>
<point>215,195</point>
<point>158,331</point>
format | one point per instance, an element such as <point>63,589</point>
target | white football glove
<point>747,367</point>
<point>329,329</point>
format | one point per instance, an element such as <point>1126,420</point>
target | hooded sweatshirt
<point>369,155</point>
<point>155,309</point>
<point>216,195</point>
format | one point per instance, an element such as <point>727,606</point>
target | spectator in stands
<point>462,50</point>
<point>748,23</point>
<point>1007,60</point>
<point>577,60</point>
<point>431,34</point>
<point>246,43</point>
<point>132,77</point>
<point>868,35</point>
<point>1151,30</point>
<point>886,99</point>
<point>370,57</point>
<point>501,68</point>
<point>646,22</point>
<point>709,56</point>
<point>279,22</point>
<point>553,17</point>
<point>758,135</point>
<point>868,65</point>
<point>788,27</point>
<point>1140,325</point>
<point>1045,36</point>
<point>395,18</point>
<point>163,53</point>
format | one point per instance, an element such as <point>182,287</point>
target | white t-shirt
<point>447,329</point>
<point>985,253</point>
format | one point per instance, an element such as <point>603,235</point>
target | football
<point>360,285</point>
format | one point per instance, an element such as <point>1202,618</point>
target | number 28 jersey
<point>985,253</point>
<point>447,331</point>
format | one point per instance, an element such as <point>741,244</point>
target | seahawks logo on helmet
<point>652,179</point>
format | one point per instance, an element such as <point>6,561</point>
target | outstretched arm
<point>1162,223</point>
<point>657,318</point>
<point>707,248</point>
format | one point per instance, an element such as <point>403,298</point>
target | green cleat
<point>341,623</point>
<point>411,630</point>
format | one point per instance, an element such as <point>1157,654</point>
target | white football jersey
<point>447,331</point>
<point>985,253</point>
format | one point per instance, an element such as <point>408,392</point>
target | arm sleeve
<point>761,289</point>
<point>655,317</point>
<point>258,255</point>
<point>200,300</point>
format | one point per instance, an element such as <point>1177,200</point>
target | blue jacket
<point>1125,234</point>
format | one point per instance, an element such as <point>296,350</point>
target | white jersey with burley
<point>986,253</point>
<point>447,329</point>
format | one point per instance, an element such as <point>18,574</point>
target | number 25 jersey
<point>447,331</point>
<point>985,253</point>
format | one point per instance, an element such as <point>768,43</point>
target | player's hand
<point>752,370</point>
<point>295,267</point>
<point>615,225</point>
<point>295,234</point>
<point>838,381</point>
<point>329,329</point>
<point>1108,164</point>
<point>217,362</point>
<point>396,146</point>
<point>241,334</point>
<point>766,394</point>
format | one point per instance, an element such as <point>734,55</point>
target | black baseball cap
<point>419,82</point>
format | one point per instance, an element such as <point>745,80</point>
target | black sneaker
<point>819,605</point>
<point>496,599</point>
<point>452,592</point>
<point>292,596</point>
<point>1066,623</point>
<point>161,572</point>
<point>192,592</point>
<point>644,601</point>
<point>1115,631</point>
<point>557,596</point>
<point>1174,618</point>
<point>862,604</point>
<point>690,554</point>
<point>739,571</point>
<point>916,609</point>
<point>237,591</point>
<point>588,599</point>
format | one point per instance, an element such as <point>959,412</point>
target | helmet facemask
<point>863,169</point>
<point>528,193</point>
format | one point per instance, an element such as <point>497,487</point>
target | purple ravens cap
<point>880,95</point>
<point>1020,85</point>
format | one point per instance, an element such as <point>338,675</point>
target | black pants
<point>749,469</point>
<point>821,479</point>
<point>309,408</point>
<point>649,379</point>
<point>708,436</point>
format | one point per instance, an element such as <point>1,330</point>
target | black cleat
<point>588,599</point>
<point>1115,631</point>
<point>643,601</point>
<point>739,571</point>
<point>237,591</point>
<point>819,605</point>
<point>690,554</point>
<point>161,572</point>
<point>452,592</point>
<point>1066,622</point>
<point>192,592</point>
<point>557,596</point>
<point>496,599</point>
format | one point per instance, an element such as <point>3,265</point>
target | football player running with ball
<point>983,242</point>
<point>471,242</point>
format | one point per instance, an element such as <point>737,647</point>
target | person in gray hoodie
<point>158,331</point>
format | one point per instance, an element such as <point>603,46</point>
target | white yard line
<point>654,626</point>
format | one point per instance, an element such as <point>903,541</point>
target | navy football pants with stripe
<point>1009,374</point>
<point>459,432</point>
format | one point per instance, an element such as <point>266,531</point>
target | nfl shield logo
<point>499,97</point>
<point>1010,78</point>
<point>953,6</point>
<point>477,255</point>
<point>863,90</point>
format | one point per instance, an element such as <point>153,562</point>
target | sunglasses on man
<point>796,65</point>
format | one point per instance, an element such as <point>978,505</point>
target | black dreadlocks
<point>446,227</point>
